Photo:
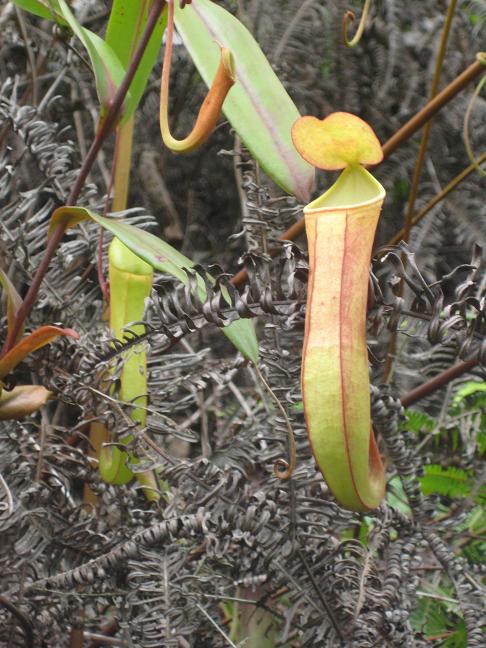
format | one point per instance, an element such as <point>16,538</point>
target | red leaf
<point>37,339</point>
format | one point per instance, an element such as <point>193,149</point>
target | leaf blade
<point>108,70</point>
<point>125,26</point>
<point>14,302</point>
<point>22,401</point>
<point>161,256</point>
<point>43,9</point>
<point>258,106</point>
<point>35,340</point>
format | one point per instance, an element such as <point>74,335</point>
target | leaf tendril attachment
<point>350,17</point>
<point>282,469</point>
<point>467,118</point>
<point>211,107</point>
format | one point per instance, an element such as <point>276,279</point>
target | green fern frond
<point>430,616</point>
<point>419,422</point>
<point>471,388</point>
<point>450,482</point>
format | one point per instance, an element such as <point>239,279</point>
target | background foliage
<point>232,552</point>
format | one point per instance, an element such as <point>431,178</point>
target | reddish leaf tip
<point>68,332</point>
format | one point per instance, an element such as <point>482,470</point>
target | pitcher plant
<point>340,227</point>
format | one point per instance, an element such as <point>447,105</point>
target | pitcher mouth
<point>355,186</point>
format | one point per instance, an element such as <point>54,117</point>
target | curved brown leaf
<point>22,401</point>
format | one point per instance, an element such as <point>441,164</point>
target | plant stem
<point>417,172</point>
<point>440,196</point>
<point>103,132</point>
<point>433,107</point>
<point>122,163</point>
<point>419,164</point>
<point>26,306</point>
<point>437,382</point>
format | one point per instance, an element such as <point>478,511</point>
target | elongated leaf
<point>37,339</point>
<point>108,70</point>
<point>44,8</point>
<point>126,24</point>
<point>22,401</point>
<point>111,56</point>
<point>14,302</point>
<point>258,106</point>
<point>161,256</point>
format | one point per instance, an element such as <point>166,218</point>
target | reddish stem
<point>23,311</point>
<point>437,382</point>
<point>103,132</point>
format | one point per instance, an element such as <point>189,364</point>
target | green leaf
<point>429,616</point>
<point>161,256</point>
<point>107,66</point>
<point>258,106</point>
<point>418,421</point>
<point>14,302</point>
<point>126,24</point>
<point>458,636</point>
<point>468,389</point>
<point>43,8</point>
<point>108,70</point>
<point>450,482</point>
<point>475,525</point>
<point>396,496</point>
<point>439,619</point>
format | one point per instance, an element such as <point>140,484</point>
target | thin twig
<point>439,197</point>
<point>288,467</point>
<point>213,622</point>
<point>437,382</point>
<point>10,505</point>
<point>419,164</point>
<point>318,591</point>
<point>417,172</point>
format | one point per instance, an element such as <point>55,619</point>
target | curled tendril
<point>282,469</point>
<point>350,17</point>
<point>210,110</point>
<point>467,118</point>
